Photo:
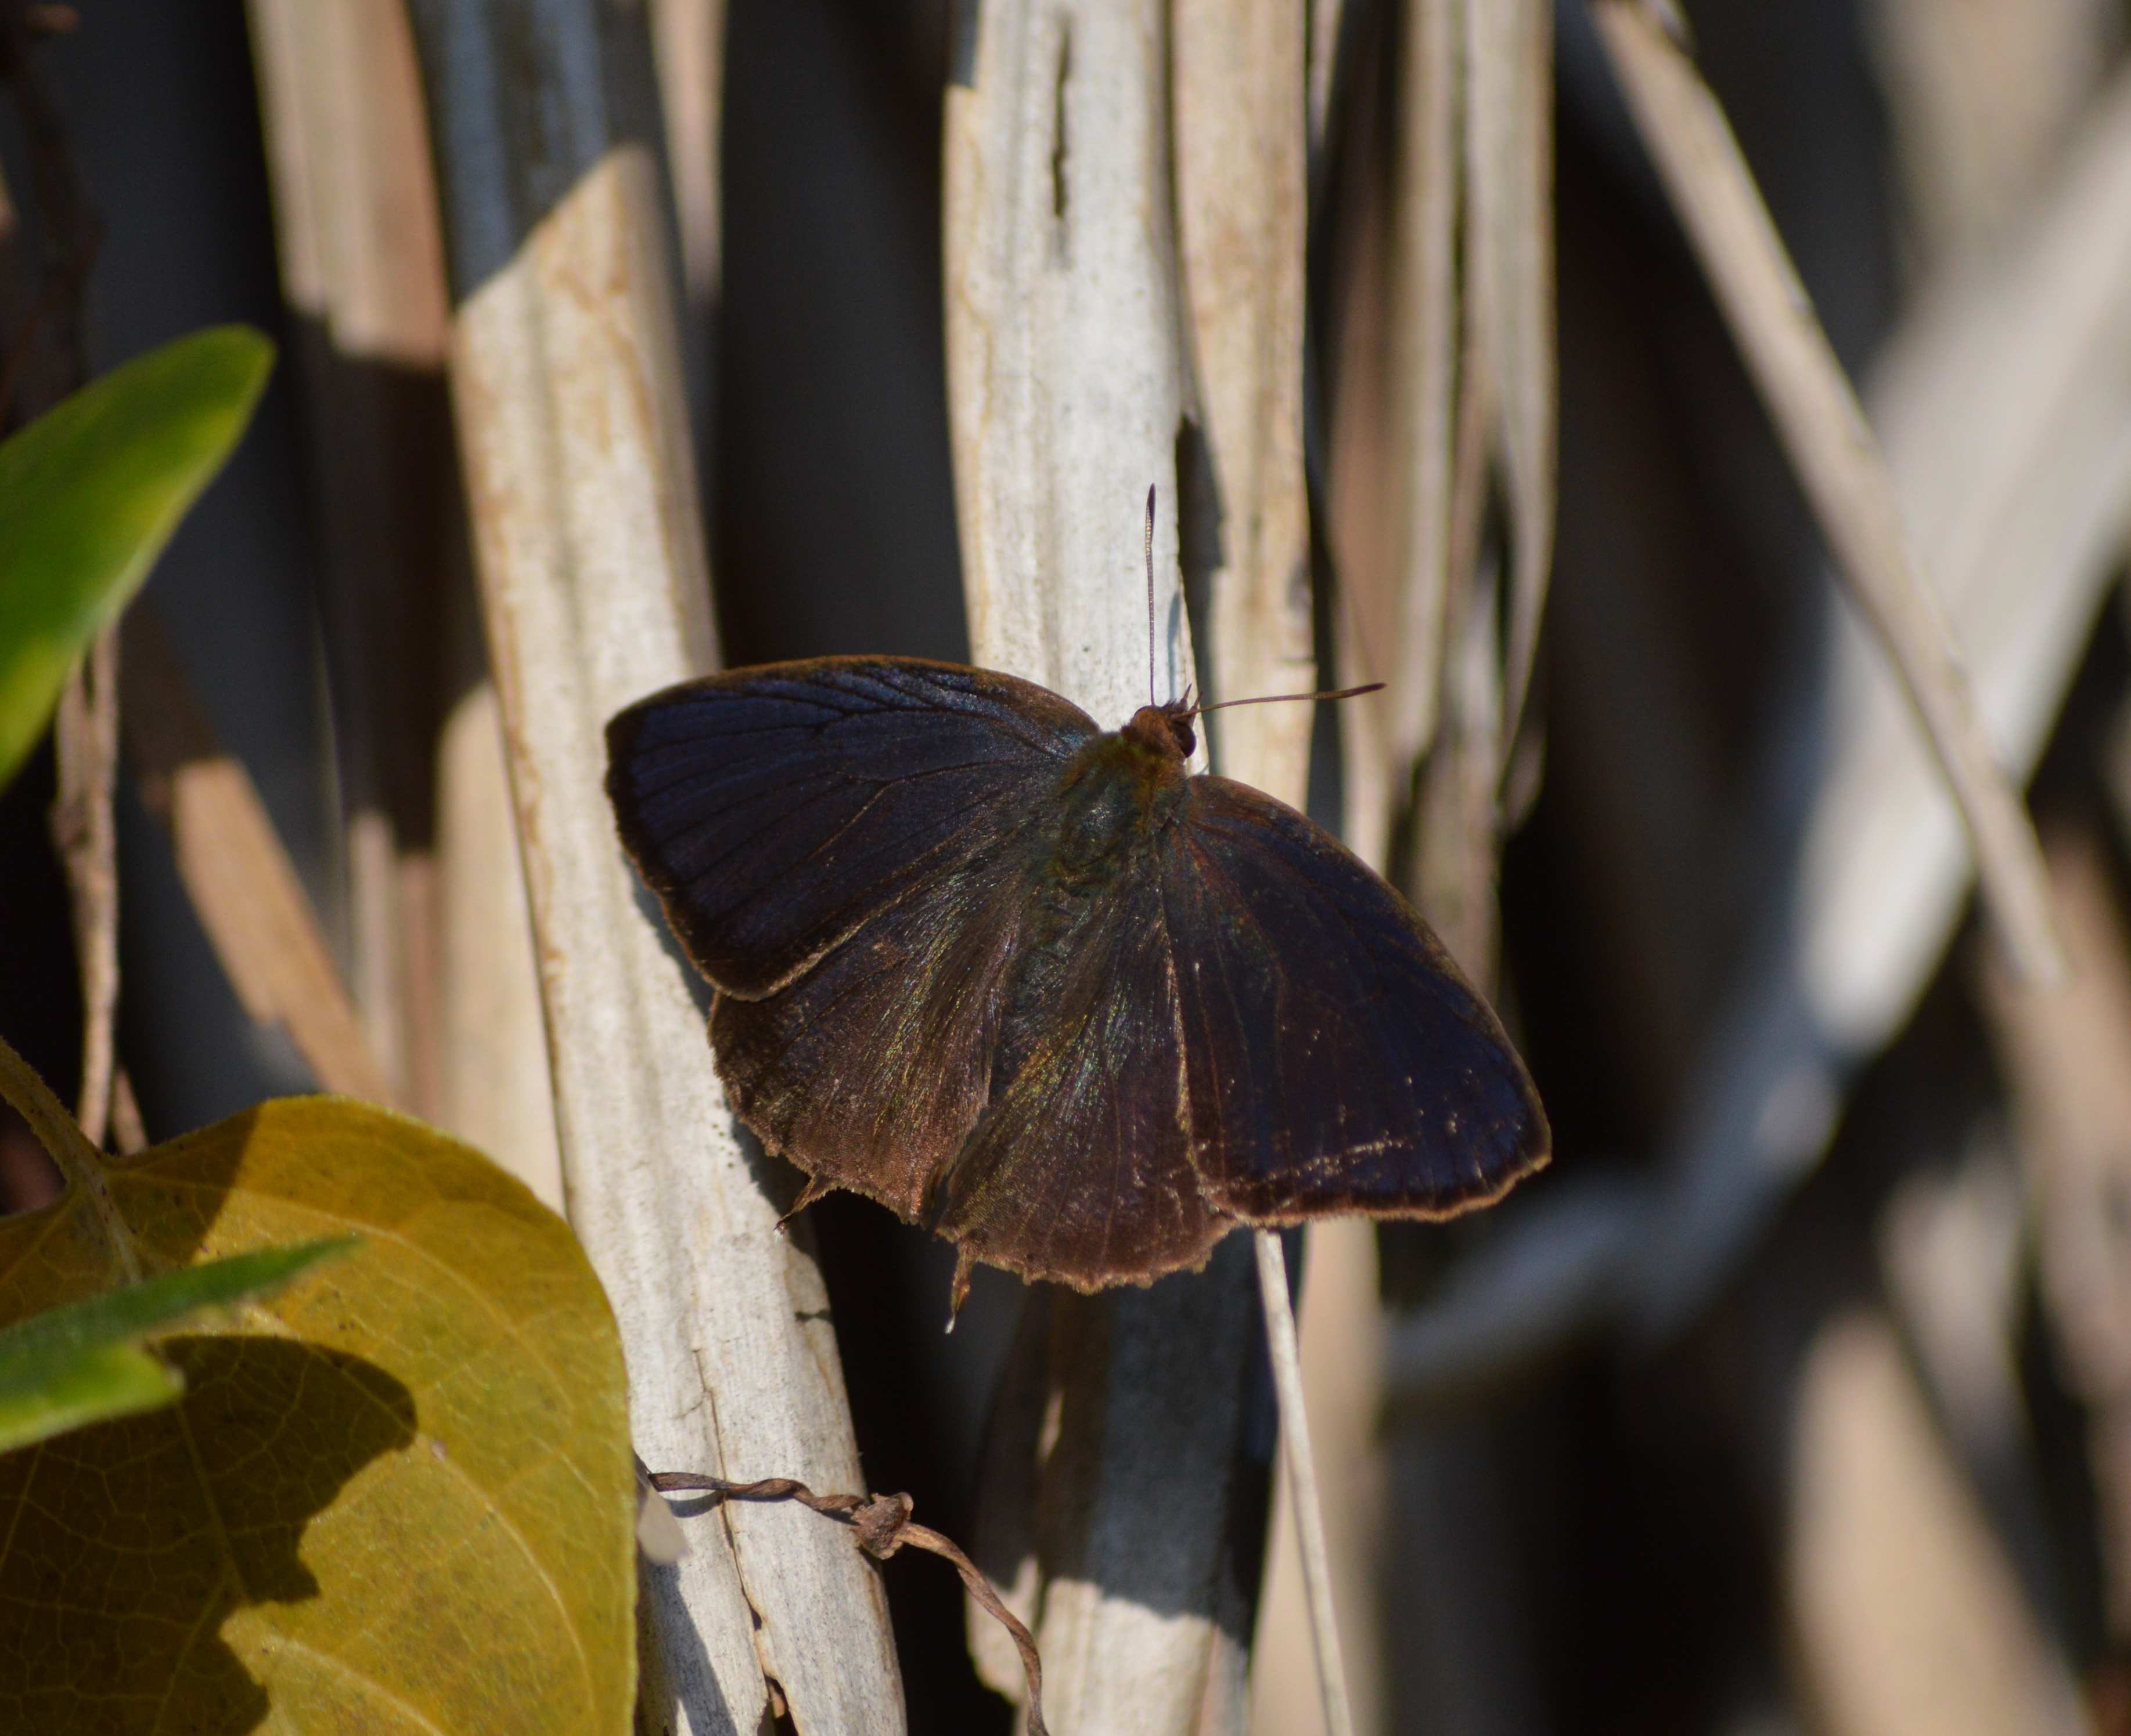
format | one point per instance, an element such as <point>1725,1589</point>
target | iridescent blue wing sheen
<point>774,810</point>
<point>1335,1059</point>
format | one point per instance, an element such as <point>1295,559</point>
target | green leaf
<point>396,1497</point>
<point>96,1383</point>
<point>75,1363</point>
<point>91,491</point>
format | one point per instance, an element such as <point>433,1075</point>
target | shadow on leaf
<point>145,1542</point>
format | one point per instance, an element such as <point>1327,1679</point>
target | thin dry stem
<point>1509,143</point>
<point>1242,127</point>
<point>1457,810</point>
<point>86,732</point>
<point>1373,515</point>
<point>83,829</point>
<point>1455,827</point>
<point>1327,18</point>
<point>1301,1465</point>
<point>2067,1057</point>
<point>1238,118</point>
<point>80,1164</point>
<point>1834,452</point>
<point>129,1134</point>
<point>689,40</point>
<point>1424,343</point>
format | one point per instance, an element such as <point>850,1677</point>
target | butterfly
<point>1041,988</point>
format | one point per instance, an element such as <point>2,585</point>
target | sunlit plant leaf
<point>91,491</point>
<point>396,1497</point>
<point>80,1363</point>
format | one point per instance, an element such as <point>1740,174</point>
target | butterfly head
<point>1165,729</point>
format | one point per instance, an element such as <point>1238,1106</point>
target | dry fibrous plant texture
<point>574,437</point>
<point>437,937</point>
<point>237,874</point>
<point>1836,456</point>
<point>362,268</point>
<point>1068,386</point>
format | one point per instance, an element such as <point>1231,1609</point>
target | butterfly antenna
<point>1275,699</point>
<point>1150,593</point>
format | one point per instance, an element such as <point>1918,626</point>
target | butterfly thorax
<point>1115,792</point>
<point>1098,837</point>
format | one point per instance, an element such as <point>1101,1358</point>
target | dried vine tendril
<point>883,1525</point>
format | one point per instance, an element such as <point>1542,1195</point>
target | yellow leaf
<point>398,1497</point>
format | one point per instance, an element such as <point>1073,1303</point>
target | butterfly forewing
<point>1336,1060</point>
<point>774,810</point>
<point>870,1070</point>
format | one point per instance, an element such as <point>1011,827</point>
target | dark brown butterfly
<point>1039,987</point>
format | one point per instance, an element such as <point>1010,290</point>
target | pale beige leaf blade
<point>1067,391</point>
<point>361,259</point>
<point>1833,450</point>
<point>1509,129</point>
<point>1240,119</point>
<point>237,872</point>
<point>2003,400</point>
<point>566,384</point>
<point>1240,151</point>
<point>1425,370</point>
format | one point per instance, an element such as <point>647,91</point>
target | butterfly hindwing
<point>773,809</point>
<point>1336,1060</point>
<point>870,1070</point>
<point>1079,1171</point>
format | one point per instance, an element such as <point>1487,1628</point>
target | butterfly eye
<point>1176,718</point>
